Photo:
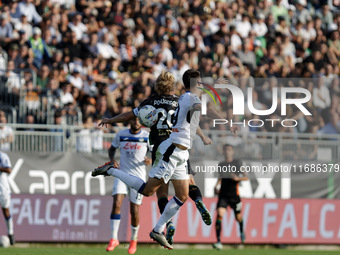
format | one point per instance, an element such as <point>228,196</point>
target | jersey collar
<point>135,133</point>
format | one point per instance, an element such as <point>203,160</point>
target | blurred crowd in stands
<point>92,59</point>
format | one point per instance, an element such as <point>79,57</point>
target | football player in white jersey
<point>171,157</point>
<point>166,104</point>
<point>5,193</point>
<point>134,145</point>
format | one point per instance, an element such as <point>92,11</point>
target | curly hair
<point>165,83</point>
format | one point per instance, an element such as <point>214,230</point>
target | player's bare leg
<point>9,224</point>
<point>147,189</point>
<point>181,195</point>
<point>162,196</point>
<point>238,217</point>
<point>115,221</point>
<point>196,196</point>
<point>218,227</point>
<point>134,212</point>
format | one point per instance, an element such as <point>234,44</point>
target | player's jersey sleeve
<point>145,102</point>
<point>5,161</point>
<point>194,100</point>
<point>116,141</point>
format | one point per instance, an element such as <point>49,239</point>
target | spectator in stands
<point>243,27</point>
<point>104,49</point>
<point>302,15</point>
<point>12,79</point>
<point>260,27</point>
<point>321,96</point>
<point>75,49</point>
<point>247,56</point>
<point>43,77</point>
<point>28,9</point>
<point>32,100</point>
<point>279,9</point>
<point>333,126</point>
<point>40,49</point>
<point>76,79</point>
<point>13,54</point>
<point>6,133</point>
<point>65,94</point>
<point>77,26</point>
<point>25,26</point>
<point>6,30</point>
<point>325,15</point>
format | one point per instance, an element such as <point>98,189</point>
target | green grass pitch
<point>100,249</point>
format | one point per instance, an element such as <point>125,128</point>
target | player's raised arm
<point>123,117</point>
<point>205,139</point>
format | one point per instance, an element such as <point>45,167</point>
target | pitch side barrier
<point>248,145</point>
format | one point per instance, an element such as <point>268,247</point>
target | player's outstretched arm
<point>123,117</point>
<point>205,139</point>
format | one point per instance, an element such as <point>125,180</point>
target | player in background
<point>171,157</point>
<point>228,193</point>
<point>5,194</point>
<point>134,145</point>
<point>166,104</point>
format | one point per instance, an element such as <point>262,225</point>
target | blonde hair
<point>165,83</point>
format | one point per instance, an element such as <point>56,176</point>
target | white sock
<point>169,211</point>
<point>115,221</point>
<point>130,180</point>
<point>134,232</point>
<point>10,228</point>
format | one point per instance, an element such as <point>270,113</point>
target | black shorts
<point>153,154</point>
<point>234,202</point>
<point>190,171</point>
